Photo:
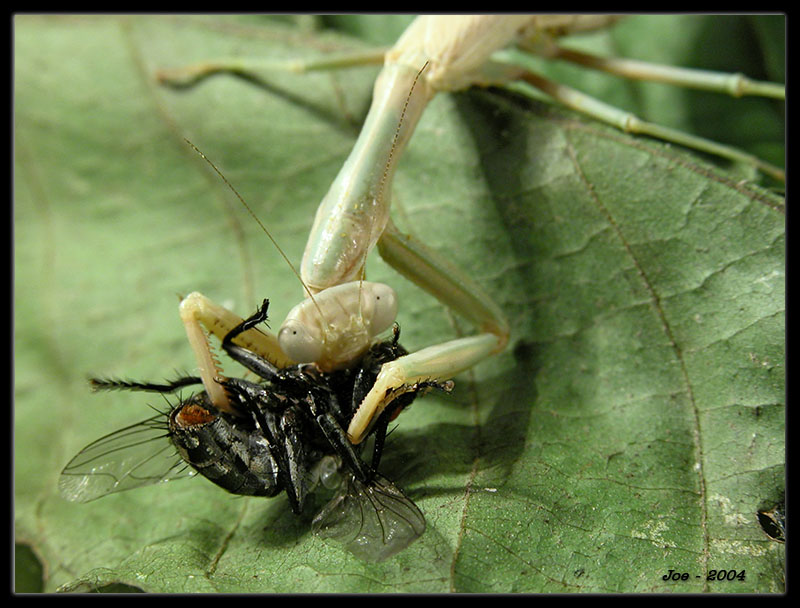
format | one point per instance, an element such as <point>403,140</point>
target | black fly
<point>289,430</point>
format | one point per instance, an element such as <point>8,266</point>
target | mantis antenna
<point>389,160</point>
<point>399,125</point>
<point>261,225</point>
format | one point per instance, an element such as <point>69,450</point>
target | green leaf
<point>634,426</point>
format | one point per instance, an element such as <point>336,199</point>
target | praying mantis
<point>119,315</point>
<point>342,313</point>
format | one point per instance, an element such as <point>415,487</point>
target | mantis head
<point>338,324</point>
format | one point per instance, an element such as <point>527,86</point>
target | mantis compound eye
<point>299,343</point>
<point>380,304</point>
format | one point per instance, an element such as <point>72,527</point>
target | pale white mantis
<point>343,313</point>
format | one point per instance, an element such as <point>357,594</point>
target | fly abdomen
<point>225,452</point>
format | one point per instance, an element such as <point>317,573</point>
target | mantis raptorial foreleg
<point>343,313</point>
<point>198,312</point>
<point>542,42</point>
<point>451,286</point>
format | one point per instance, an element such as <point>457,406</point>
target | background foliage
<point>636,423</point>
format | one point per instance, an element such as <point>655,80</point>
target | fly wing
<point>138,455</point>
<point>373,521</point>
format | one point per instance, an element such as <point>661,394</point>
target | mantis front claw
<point>427,366</point>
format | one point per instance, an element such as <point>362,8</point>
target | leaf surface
<point>634,425</point>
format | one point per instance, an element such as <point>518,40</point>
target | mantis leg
<point>201,315</point>
<point>630,123</point>
<point>542,42</point>
<point>736,85</point>
<point>249,69</point>
<point>451,286</point>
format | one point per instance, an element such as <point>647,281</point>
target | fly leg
<point>113,384</point>
<point>381,353</point>
<point>337,437</point>
<point>282,432</point>
<point>253,361</point>
<point>201,316</point>
<point>322,401</point>
<point>322,404</point>
<point>256,362</point>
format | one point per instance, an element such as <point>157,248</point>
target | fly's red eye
<point>194,415</point>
